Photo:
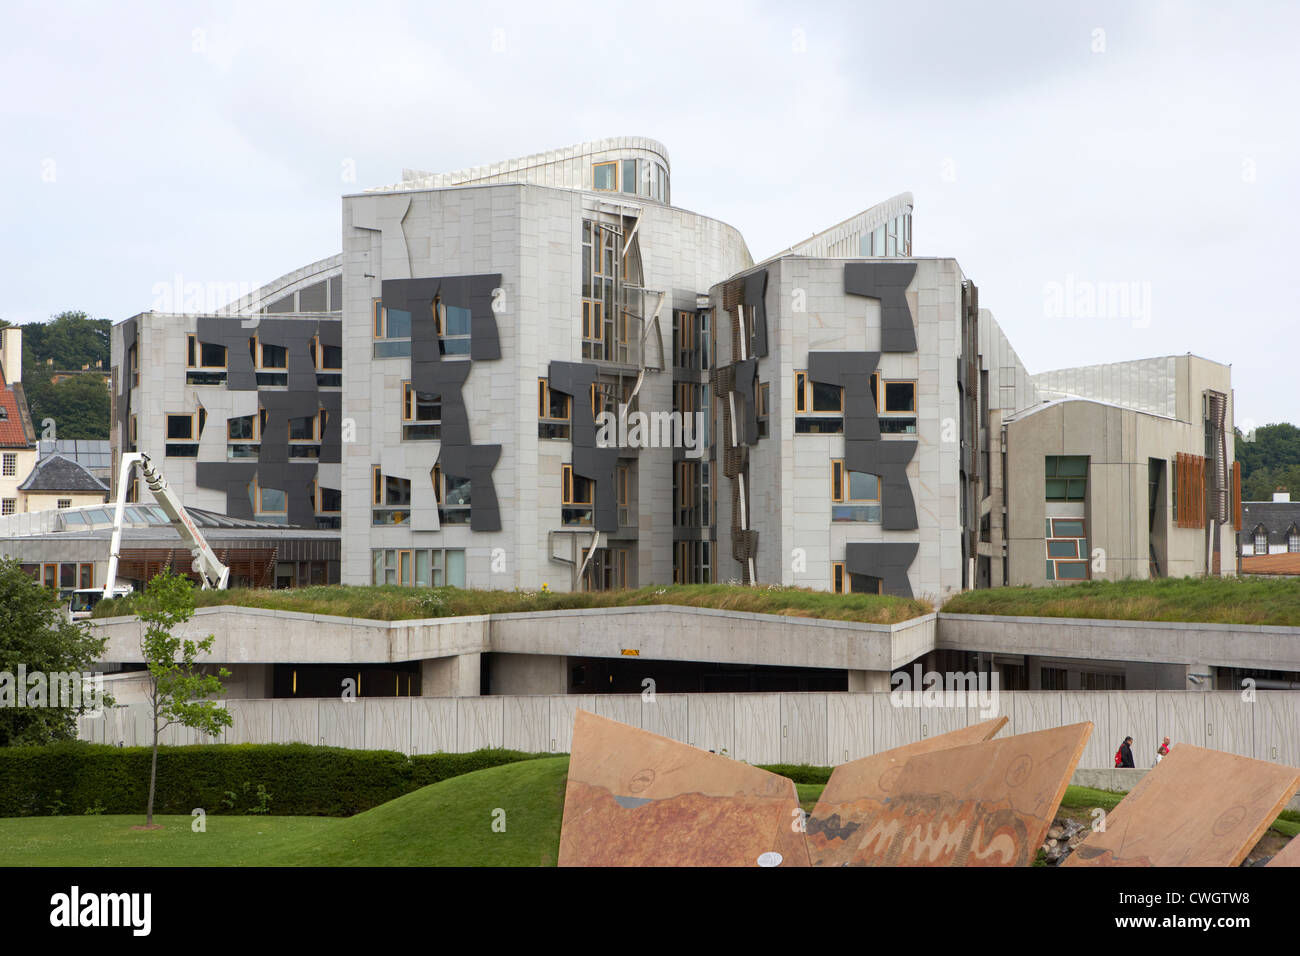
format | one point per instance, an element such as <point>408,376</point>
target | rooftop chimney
<point>1281,495</point>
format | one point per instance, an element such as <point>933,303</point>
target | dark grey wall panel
<point>888,282</point>
<point>888,561</point>
<point>232,478</point>
<point>575,380</point>
<point>129,339</point>
<point>430,372</point>
<point>754,292</point>
<point>234,336</point>
<point>852,372</point>
<point>888,459</point>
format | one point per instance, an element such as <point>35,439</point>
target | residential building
<point>17,436</point>
<point>59,482</point>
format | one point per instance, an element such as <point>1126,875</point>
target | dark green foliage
<point>76,778</point>
<point>1270,459</point>
<point>80,405</point>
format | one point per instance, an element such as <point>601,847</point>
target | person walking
<point>1124,756</point>
<point>1162,751</point>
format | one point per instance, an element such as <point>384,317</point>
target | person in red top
<point>1162,751</point>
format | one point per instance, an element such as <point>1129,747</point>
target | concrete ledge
<point>1124,779</point>
<point>1268,647</point>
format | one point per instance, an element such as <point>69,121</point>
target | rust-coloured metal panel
<point>857,791</point>
<point>986,804</point>
<point>1197,807</point>
<point>637,799</point>
<point>1289,855</point>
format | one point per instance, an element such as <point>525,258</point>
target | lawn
<point>1195,600</point>
<point>393,603</point>
<point>446,824</point>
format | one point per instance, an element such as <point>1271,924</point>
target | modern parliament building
<point>542,371</point>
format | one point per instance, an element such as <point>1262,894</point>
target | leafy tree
<point>35,632</point>
<point>80,406</point>
<point>178,693</point>
<point>71,339</point>
<point>1270,459</point>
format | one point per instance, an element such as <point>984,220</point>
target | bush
<point>301,780</point>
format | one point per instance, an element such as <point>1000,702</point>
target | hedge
<point>301,780</point>
<point>799,772</point>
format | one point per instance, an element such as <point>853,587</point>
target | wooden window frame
<point>377,485</point>
<point>882,387</point>
<point>194,426</point>
<point>544,402</point>
<point>257,488</point>
<point>194,355</point>
<point>318,353</point>
<point>257,430</point>
<point>315,429</point>
<point>838,577</point>
<point>568,481</point>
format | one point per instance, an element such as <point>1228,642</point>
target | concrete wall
<point>814,728</point>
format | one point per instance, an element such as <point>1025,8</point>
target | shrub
<point>286,779</point>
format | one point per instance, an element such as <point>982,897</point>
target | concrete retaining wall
<point>815,728</point>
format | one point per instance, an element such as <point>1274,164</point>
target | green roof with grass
<point>1186,600</point>
<point>394,603</point>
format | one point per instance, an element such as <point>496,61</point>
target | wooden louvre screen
<point>1191,490</point>
<point>1236,494</point>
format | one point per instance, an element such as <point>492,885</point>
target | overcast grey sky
<point>1052,148</point>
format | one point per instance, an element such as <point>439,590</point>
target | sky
<point>1120,180</point>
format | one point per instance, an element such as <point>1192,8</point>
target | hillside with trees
<point>1270,459</point>
<point>69,342</point>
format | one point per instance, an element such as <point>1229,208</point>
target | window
<point>63,503</point>
<point>629,176</point>
<point>553,411</point>
<point>421,414</point>
<point>856,583</point>
<point>453,325</point>
<point>392,331</point>
<point>623,479</point>
<point>1067,549</point>
<point>270,361</point>
<point>180,427</point>
<point>825,402</point>
<point>763,413</point>
<point>328,360</point>
<point>392,499</point>
<point>1261,541</point>
<point>8,506</point>
<point>421,568</point>
<point>271,501</point>
<point>900,397</point>
<point>604,176</point>
<point>1067,477</point>
<point>855,495</point>
<point>304,435</point>
<point>576,496</point>
<point>133,360</point>
<point>206,363</point>
<point>241,438</point>
<point>1293,540</point>
<point>134,433</point>
<point>693,562</point>
<point>602,263</point>
<point>10,464</point>
<point>453,494</point>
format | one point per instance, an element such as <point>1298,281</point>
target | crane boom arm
<point>212,573</point>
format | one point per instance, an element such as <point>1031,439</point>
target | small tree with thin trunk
<point>178,693</point>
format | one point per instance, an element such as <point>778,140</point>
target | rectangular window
<point>1067,549</point>
<point>243,428</point>
<point>64,503</point>
<point>85,575</point>
<point>1067,477</point>
<point>328,360</point>
<point>855,495</point>
<point>10,464</point>
<point>453,324</point>
<point>8,506</point>
<point>421,414</point>
<point>453,497</point>
<point>576,497</point>
<point>623,477</point>
<point>421,568</point>
<point>900,397</point>
<point>180,427</point>
<point>763,413</point>
<point>604,177</point>
<point>553,410</point>
<point>837,577</point>
<point>629,176</point>
<point>392,331</point>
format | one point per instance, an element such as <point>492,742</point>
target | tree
<point>36,638</point>
<point>178,693</point>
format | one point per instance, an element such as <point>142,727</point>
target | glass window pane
<point>826,398</point>
<point>629,175</point>
<point>376,567</point>
<point>1063,549</point>
<point>457,321</point>
<point>1056,488</point>
<point>399,324</point>
<point>422,576</point>
<point>456,568</point>
<point>863,487</point>
<point>273,499</point>
<point>603,175</point>
<point>900,396</point>
<point>1067,528</point>
<point>1071,570</point>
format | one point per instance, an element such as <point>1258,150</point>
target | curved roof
<point>825,243</point>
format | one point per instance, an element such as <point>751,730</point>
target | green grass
<point>445,824</point>
<point>392,603</point>
<point>1199,600</point>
